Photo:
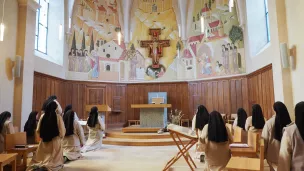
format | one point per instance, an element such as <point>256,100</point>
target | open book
<point>239,145</point>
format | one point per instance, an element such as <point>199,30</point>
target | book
<point>20,146</point>
<point>239,146</point>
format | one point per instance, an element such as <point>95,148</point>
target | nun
<point>272,133</point>
<point>30,127</point>
<point>216,137</point>
<point>241,119</point>
<point>70,107</point>
<point>74,137</point>
<point>96,128</point>
<point>200,119</point>
<point>6,127</point>
<point>291,154</point>
<point>255,122</point>
<point>51,129</point>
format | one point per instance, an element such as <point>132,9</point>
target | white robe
<point>94,141</point>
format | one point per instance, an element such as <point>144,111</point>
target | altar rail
<point>223,94</point>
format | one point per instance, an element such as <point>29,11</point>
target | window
<point>154,8</point>
<point>42,26</point>
<point>258,25</point>
<point>115,48</point>
<point>108,67</point>
<point>104,50</point>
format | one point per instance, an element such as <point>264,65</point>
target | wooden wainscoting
<point>223,94</point>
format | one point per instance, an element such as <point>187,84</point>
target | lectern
<point>101,108</point>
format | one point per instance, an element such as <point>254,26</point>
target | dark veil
<point>49,126</point>
<point>93,118</point>
<point>258,120</point>
<point>241,118</point>
<point>31,124</point>
<point>282,119</point>
<point>299,111</point>
<point>217,131</point>
<point>202,117</point>
<point>3,117</point>
<point>67,108</point>
<point>68,119</point>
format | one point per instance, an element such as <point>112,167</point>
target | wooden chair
<point>239,136</point>
<point>6,159</point>
<point>251,151</point>
<point>248,164</point>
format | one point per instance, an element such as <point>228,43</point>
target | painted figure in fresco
<point>235,58</point>
<point>225,54</point>
<point>133,63</point>
<point>94,61</point>
<point>219,67</point>
<point>207,68</point>
<point>230,64</point>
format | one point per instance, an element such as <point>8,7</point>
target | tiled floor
<point>127,158</point>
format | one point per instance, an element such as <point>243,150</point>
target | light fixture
<point>131,35</point>
<point>179,31</point>
<point>119,37</point>
<point>70,23</point>
<point>231,5</point>
<point>2,27</point>
<point>202,24</point>
<point>60,31</point>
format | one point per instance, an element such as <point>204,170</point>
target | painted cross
<point>155,46</point>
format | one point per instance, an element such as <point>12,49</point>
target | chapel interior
<point>132,79</point>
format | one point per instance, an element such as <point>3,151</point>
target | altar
<point>152,115</point>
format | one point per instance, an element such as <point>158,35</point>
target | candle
<point>179,31</point>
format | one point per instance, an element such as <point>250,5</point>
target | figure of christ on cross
<point>155,46</point>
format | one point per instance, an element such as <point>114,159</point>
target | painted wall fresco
<point>220,49</point>
<point>94,47</point>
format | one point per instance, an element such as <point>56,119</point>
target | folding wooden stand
<point>183,149</point>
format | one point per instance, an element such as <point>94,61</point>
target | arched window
<point>108,67</point>
<point>154,8</point>
<point>42,27</point>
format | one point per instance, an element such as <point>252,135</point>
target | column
<point>23,88</point>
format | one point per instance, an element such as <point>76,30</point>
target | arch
<point>108,67</point>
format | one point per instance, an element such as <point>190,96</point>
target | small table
<point>6,159</point>
<point>23,152</point>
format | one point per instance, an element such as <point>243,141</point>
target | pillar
<point>23,88</point>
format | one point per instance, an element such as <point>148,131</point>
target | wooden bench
<point>6,159</point>
<point>248,164</point>
<point>239,135</point>
<point>11,140</point>
<point>135,122</point>
<point>251,151</point>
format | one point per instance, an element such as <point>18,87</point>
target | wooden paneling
<point>225,95</point>
<point>260,90</point>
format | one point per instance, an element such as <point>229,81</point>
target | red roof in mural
<point>206,9</point>
<point>196,38</point>
<point>214,24</point>
<point>187,54</point>
<point>216,36</point>
<point>193,48</point>
<point>101,8</point>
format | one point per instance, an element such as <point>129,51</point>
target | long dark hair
<point>68,119</point>
<point>3,117</point>
<point>282,119</point>
<point>299,111</point>
<point>31,124</point>
<point>202,117</point>
<point>241,118</point>
<point>217,131</point>
<point>67,108</point>
<point>51,98</point>
<point>93,118</point>
<point>49,126</point>
<point>258,120</point>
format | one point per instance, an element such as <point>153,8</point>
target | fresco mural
<point>220,49</point>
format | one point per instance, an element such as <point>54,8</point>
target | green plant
<point>235,34</point>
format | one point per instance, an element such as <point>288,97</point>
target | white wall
<point>295,15</point>
<point>53,63</point>
<point>8,50</point>
<point>270,54</point>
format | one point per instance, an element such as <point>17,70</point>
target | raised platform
<point>117,137</point>
<point>137,129</point>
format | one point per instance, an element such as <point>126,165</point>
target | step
<point>138,135</point>
<point>141,142</point>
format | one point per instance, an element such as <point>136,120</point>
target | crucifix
<point>155,46</point>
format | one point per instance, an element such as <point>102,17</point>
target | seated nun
<point>6,127</point>
<point>74,137</point>
<point>70,107</point>
<point>272,133</point>
<point>255,122</point>
<point>96,128</point>
<point>30,127</point>
<point>216,137</point>
<point>241,119</point>
<point>49,154</point>
<point>291,154</point>
<point>199,120</point>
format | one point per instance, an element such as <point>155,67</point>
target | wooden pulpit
<point>101,108</point>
